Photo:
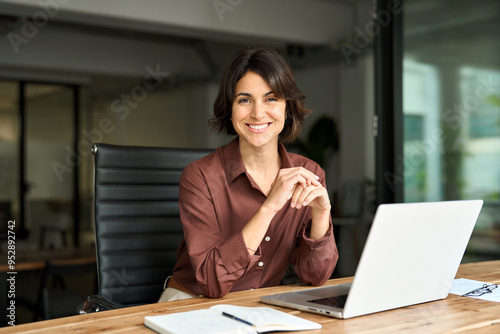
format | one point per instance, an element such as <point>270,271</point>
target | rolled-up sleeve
<point>314,260</point>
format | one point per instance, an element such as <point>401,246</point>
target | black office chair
<point>137,222</point>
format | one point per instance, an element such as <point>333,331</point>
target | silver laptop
<point>411,256</point>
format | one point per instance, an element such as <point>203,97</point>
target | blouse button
<point>268,238</point>
<point>261,264</point>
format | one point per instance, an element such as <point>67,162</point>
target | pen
<point>236,318</point>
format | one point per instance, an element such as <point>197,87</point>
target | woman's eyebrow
<point>243,94</point>
<point>250,95</point>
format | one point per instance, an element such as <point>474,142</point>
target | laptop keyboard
<point>335,301</point>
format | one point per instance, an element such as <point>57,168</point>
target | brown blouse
<point>217,197</point>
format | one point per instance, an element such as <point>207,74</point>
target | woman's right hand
<point>285,184</point>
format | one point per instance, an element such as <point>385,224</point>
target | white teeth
<point>258,127</point>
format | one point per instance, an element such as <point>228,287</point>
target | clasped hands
<point>301,187</point>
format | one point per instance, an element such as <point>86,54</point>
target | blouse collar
<point>233,163</point>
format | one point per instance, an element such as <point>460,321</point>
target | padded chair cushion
<point>137,223</point>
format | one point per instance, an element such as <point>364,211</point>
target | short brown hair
<point>274,69</point>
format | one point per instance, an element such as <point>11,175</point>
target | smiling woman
<point>251,208</point>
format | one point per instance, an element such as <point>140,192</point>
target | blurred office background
<point>146,73</point>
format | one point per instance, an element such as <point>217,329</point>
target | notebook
<point>411,256</point>
<point>228,319</point>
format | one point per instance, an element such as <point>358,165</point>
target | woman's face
<point>258,116</point>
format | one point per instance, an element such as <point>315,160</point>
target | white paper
<point>263,319</point>
<point>267,319</point>
<point>196,322</point>
<point>461,286</point>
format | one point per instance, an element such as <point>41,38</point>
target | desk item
<point>411,256</point>
<point>226,319</point>
<point>230,316</point>
<point>476,289</point>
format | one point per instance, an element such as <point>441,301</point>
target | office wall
<point>69,54</point>
<point>162,118</point>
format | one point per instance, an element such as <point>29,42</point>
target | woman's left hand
<point>315,196</point>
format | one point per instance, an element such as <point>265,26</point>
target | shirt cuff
<point>234,253</point>
<point>321,249</point>
<point>318,242</point>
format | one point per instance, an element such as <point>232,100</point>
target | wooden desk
<point>32,258</point>
<point>453,314</point>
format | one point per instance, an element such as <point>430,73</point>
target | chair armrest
<point>97,303</point>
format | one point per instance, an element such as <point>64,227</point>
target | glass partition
<point>451,94</point>
<point>36,138</point>
<point>9,154</point>
<point>48,142</point>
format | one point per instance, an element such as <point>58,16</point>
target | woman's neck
<point>260,159</point>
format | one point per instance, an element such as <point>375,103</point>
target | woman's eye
<point>244,100</point>
<point>272,99</point>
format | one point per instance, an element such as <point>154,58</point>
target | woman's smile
<point>258,128</point>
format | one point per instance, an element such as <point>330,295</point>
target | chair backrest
<point>137,222</point>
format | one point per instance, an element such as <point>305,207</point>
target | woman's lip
<point>258,127</point>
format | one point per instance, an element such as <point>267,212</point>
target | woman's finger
<point>300,175</point>
<point>316,198</point>
<point>295,196</point>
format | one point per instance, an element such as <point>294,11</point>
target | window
<point>451,95</point>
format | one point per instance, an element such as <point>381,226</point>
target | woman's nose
<point>258,111</point>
